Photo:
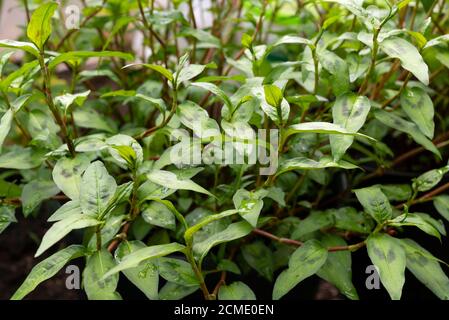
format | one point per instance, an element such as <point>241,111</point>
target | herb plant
<point>353,92</point>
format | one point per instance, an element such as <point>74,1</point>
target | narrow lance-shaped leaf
<point>76,55</point>
<point>7,215</point>
<point>322,127</point>
<point>170,180</point>
<point>39,27</point>
<point>5,126</point>
<point>47,268</point>
<point>20,45</point>
<point>158,68</point>
<point>349,112</point>
<point>96,286</point>
<point>215,90</point>
<point>375,203</point>
<point>303,263</point>
<point>389,258</point>
<point>415,220</point>
<point>302,163</point>
<point>36,191</point>
<point>441,203</point>
<point>419,107</point>
<point>97,188</point>
<point>67,174</point>
<point>236,291</point>
<point>426,268</point>
<point>410,58</point>
<point>135,258</point>
<point>337,269</point>
<point>61,228</point>
<point>145,276</point>
<point>397,123</point>
<point>233,231</point>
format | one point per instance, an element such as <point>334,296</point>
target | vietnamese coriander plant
<point>334,114</point>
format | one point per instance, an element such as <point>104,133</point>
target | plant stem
<point>51,105</point>
<point>352,247</point>
<point>372,66</point>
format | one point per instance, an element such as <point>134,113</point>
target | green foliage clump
<point>355,91</point>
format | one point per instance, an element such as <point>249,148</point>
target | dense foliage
<point>355,91</point>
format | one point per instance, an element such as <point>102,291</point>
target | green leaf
<point>67,209</point>
<point>21,158</point>
<point>88,118</point>
<point>429,179</point>
<point>278,113</point>
<point>234,231</point>
<point>67,174</point>
<point>260,258</point>
<point>20,101</point>
<point>21,45</point>
<point>39,27</point>
<point>375,203</point>
<point>9,189</point>
<point>228,265</point>
<point>215,90</point>
<point>397,123</point>
<point>365,16</point>
<point>396,192</point>
<point>248,205</point>
<point>313,222</point>
<point>159,215</point>
<point>36,191</point>
<point>96,285</point>
<point>441,203</point>
<point>437,41</point>
<point>322,127</point>
<point>5,126</point>
<point>349,112</point>
<point>303,263</point>
<point>419,108</point>
<point>350,219</point>
<point>247,41</point>
<point>61,228</point>
<point>425,268</point>
<point>236,291</point>
<point>411,219</point>
<point>190,113</point>
<point>7,215</point>
<point>409,56</point>
<point>204,221</point>
<point>289,39</point>
<point>170,180</point>
<point>145,276</point>
<point>66,100</point>
<point>389,258</point>
<point>158,68</point>
<point>177,271</point>
<point>273,95</point>
<point>136,257</point>
<point>338,69</point>
<point>188,72</point>
<point>125,150</point>
<point>47,268</point>
<point>22,71</point>
<point>337,268</point>
<point>97,189</point>
<point>302,163</point>
<point>173,291</point>
<point>75,56</point>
